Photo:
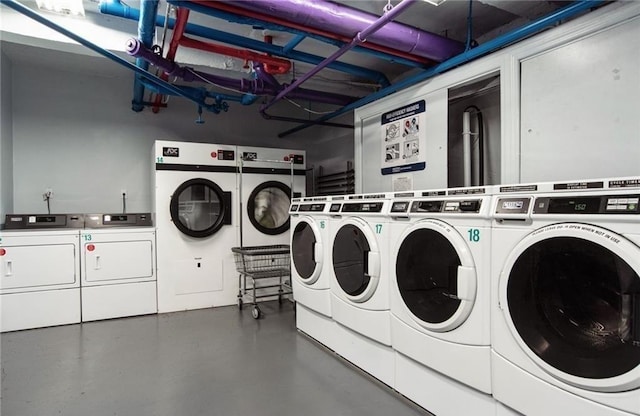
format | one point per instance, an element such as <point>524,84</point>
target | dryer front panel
<point>572,296</point>
<point>199,208</point>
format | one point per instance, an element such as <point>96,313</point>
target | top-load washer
<point>118,266</point>
<point>268,179</point>
<point>439,298</point>
<point>40,270</point>
<point>196,228</point>
<point>359,286</point>
<point>566,290</point>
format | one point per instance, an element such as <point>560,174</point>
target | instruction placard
<point>404,139</point>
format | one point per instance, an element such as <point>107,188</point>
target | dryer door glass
<point>199,208</point>
<point>303,244</point>
<point>426,271</point>
<point>268,207</point>
<point>576,305</point>
<point>350,260</point>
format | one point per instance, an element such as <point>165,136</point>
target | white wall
<point>579,108</point>
<point>76,134</point>
<point>6,138</point>
<point>623,145</point>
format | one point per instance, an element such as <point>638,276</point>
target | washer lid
<point>436,275</point>
<point>306,251</point>
<point>199,208</point>
<point>572,296</point>
<point>268,207</point>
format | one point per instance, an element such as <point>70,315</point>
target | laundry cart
<point>263,272</point>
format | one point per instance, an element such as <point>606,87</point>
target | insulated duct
<point>346,21</point>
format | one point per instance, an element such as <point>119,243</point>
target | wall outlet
<point>123,193</point>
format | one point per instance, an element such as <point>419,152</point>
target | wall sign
<point>403,139</point>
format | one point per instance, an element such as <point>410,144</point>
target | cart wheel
<point>256,313</point>
<point>240,303</point>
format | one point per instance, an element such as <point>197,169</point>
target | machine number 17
<point>378,228</point>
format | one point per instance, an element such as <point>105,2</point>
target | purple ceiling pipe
<point>345,21</point>
<point>261,86</point>
<point>360,37</point>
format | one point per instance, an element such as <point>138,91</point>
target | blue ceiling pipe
<point>13,4</point>
<point>499,42</point>
<point>146,26</point>
<point>231,17</point>
<point>116,8</point>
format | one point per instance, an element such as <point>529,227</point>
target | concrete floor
<point>205,362</point>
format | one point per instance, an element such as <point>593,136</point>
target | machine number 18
<point>474,234</point>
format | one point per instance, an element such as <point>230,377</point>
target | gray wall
<point>6,138</point>
<point>76,134</point>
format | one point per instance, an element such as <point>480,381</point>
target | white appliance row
<point>60,269</point>
<point>455,298</point>
<point>209,198</point>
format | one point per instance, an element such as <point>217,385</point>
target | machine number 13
<point>474,234</point>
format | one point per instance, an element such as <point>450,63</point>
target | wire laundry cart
<point>264,271</point>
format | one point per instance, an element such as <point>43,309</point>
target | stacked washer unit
<point>118,266</point>
<point>359,286</point>
<point>40,270</point>
<point>196,224</point>
<point>566,297</point>
<point>310,273</point>
<point>265,184</point>
<point>439,295</point>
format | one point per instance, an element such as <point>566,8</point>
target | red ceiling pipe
<point>276,65</point>
<point>221,5</point>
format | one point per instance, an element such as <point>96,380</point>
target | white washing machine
<point>265,183</point>
<point>359,285</point>
<point>310,273</point>
<point>196,227</point>
<point>566,287</point>
<point>40,270</point>
<point>439,298</point>
<point>118,266</point>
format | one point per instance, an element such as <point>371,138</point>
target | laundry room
<point>274,205</point>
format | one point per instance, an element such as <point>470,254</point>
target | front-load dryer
<point>439,299</point>
<point>268,179</point>
<point>40,270</point>
<point>310,271</point>
<point>359,286</point>
<point>195,185</point>
<point>566,290</point>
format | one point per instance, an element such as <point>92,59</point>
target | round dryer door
<point>199,208</point>
<point>268,207</point>
<point>306,251</point>
<point>572,296</point>
<point>435,275</point>
<point>356,260</point>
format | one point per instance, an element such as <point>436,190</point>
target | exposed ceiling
<point>451,19</point>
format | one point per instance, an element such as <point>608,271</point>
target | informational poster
<point>404,139</point>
